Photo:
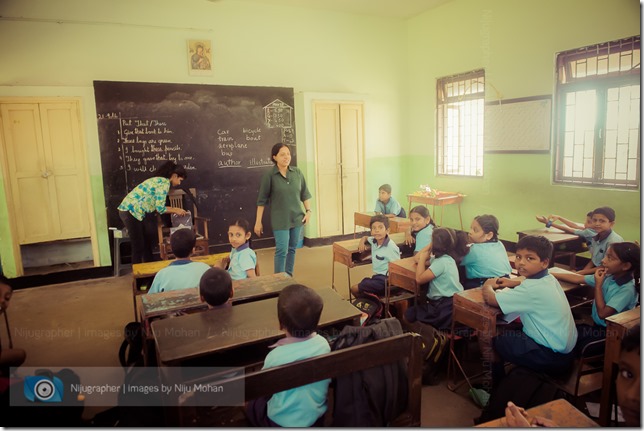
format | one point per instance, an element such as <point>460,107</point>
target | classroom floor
<point>81,324</point>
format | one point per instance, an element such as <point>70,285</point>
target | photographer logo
<point>43,389</point>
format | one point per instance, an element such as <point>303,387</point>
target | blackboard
<point>222,135</point>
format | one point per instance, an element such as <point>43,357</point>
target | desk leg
<point>333,275</point>
<point>442,210</point>
<point>460,217</point>
<point>349,281</point>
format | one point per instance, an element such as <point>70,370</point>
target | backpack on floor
<point>524,388</point>
<point>373,397</point>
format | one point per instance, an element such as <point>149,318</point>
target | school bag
<point>371,306</point>
<point>373,397</point>
<point>523,387</point>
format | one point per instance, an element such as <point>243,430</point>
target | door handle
<point>46,174</point>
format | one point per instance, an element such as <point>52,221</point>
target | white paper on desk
<point>593,410</point>
<point>556,269</point>
<point>504,319</point>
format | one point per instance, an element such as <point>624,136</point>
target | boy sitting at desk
<point>383,251</point>
<point>182,273</point>
<point>603,222</point>
<point>298,311</point>
<point>216,288</point>
<point>387,204</point>
<point>549,334</point>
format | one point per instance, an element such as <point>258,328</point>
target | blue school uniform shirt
<point>242,259</point>
<point>423,237</point>
<point>486,260</point>
<point>301,406</point>
<point>599,244</point>
<point>392,207</point>
<point>383,254</point>
<point>618,293</point>
<point>180,274</point>
<point>543,309</point>
<point>446,283</point>
<point>586,234</point>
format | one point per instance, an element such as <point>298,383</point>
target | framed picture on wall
<point>199,57</point>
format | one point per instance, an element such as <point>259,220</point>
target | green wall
<point>516,43</point>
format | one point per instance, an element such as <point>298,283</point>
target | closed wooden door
<point>340,167</point>
<point>46,171</point>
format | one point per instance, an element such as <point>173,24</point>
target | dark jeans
<point>516,347</point>
<point>143,235</point>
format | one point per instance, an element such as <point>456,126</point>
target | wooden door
<point>340,173</point>
<point>45,171</point>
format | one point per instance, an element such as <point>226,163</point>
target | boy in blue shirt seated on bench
<point>298,311</point>
<point>216,288</point>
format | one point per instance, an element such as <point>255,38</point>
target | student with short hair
<point>387,204</point>
<point>182,273</point>
<point>603,222</point>
<point>584,231</point>
<point>383,251</point>
<point>487,257</point>
<point>216,288</point>
<point>549,334</point>
<point>242,260</point>
<point>628,384</point>
<point>298,311</point>
<point>616,285</point>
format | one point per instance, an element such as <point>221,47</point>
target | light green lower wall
<point>515,188</point>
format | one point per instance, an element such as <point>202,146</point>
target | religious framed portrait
<point>199,57</point>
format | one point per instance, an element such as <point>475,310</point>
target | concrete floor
<point>80,324</point>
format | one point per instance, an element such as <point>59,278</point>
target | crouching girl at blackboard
<point>242,260</point>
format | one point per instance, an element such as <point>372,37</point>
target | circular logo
<point>44,390</point>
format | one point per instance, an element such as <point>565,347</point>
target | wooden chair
<point>179,199</point>
<point>586,374</point>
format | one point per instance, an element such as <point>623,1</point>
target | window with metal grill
<point>597,115</point>
<point>460,101</point>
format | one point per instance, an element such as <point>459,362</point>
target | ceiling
<point>385,8</point>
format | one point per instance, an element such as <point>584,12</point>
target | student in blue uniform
<point>448,247</point>
<point>549,335</point>
<point>242,260</point>
<point>182,273</point>
<point>216,288</point>
<point>419,234</point>
<point>584,231</point>
<point>387,204</point>
<point>383,251</point>
<point>603,222</point>
<point>298,311</point>
<point>487,257</point>
<point>616,284</point>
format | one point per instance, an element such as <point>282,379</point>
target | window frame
<point>566,84</point>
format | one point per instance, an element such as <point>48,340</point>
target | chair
<point>586,374</point>
<point>179,199</point>
<point>120,236</point>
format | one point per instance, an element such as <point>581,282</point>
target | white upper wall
<point>71,43</point>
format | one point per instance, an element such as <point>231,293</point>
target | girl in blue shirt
<point>242,260</point>
<point>419,234</point>
<point>487,257</point>
<point>616,284</point>
<point>448,247</point>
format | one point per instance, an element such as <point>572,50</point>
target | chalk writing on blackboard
<point>278,114</point>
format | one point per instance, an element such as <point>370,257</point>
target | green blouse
<point>147,197</point>
<point>284,195</point>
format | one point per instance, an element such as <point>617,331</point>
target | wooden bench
<point>335,364</point>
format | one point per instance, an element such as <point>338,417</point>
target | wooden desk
<point>396,224</point>
<point>560,411</point>
<point>616,328</point>
<point>402,273</point>
<point>155,305</point>
<point>471,310</point>
<point>442,199</point>
<point>346,253</point>
<point>143,274</point>
<point>214,331</point>
<point>561,241</point>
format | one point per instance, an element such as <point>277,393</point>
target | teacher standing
<point>284,188</point>
<point>138,207</point>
